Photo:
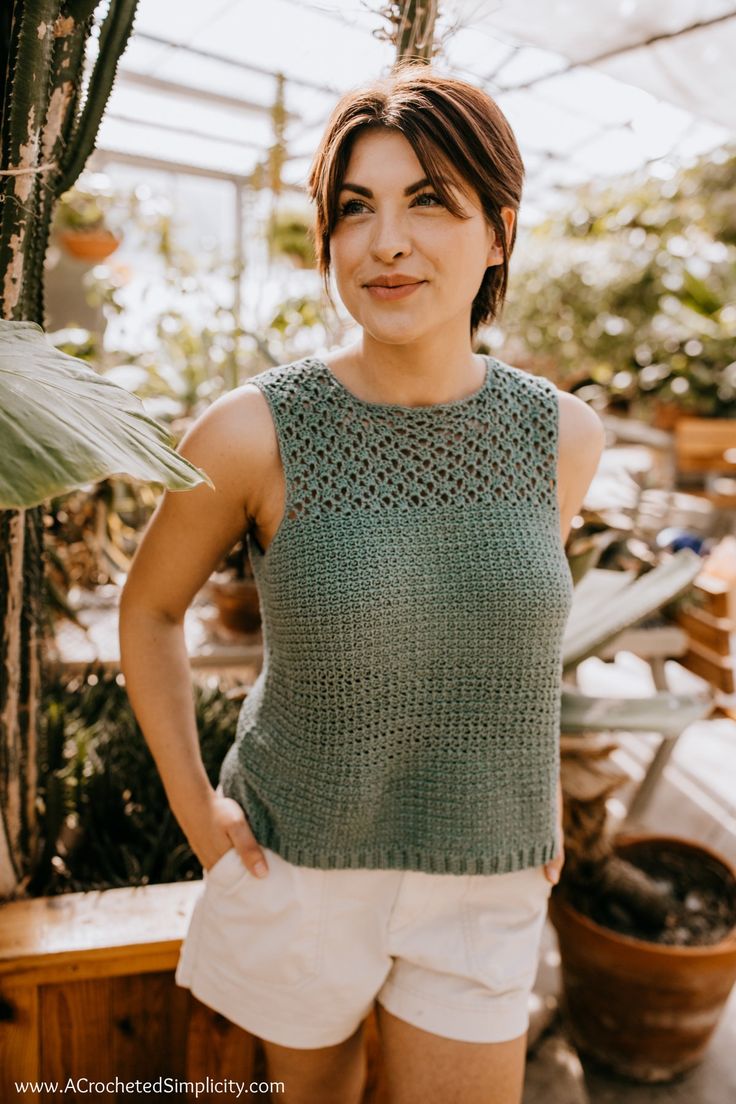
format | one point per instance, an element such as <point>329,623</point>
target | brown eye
<point>349,207</point>
<point>429,195</point>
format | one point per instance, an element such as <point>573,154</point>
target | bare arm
<point>186,538</point>
<point>582,438</point>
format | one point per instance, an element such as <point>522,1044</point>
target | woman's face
<point>392,228</point>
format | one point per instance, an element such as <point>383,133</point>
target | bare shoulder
<point>582,434</point>
<point>243,408</point>
<point>582,438</point>
<point>234,440</point>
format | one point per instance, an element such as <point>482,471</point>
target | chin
<point>397,334</point>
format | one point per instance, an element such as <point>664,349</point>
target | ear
<point>495,249</point>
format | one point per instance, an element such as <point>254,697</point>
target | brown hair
<point>447,122</point>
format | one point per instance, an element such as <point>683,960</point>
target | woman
<point>387,821</point>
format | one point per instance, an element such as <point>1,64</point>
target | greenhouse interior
<point>162,246</point>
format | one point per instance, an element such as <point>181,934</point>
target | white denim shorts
<point>298,957</point>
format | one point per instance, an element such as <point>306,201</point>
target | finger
<point>254,859</point>
<point>552,870</point>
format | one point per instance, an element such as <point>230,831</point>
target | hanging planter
<point>90,245</point>
<point>81,221</point>
<point>290,236</point>
<point>647,1009</point>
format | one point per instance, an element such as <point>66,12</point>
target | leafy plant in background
<point>631,293</point>
<point>290,235</point>
<point>82,209</point>
<point>106,820</point>
<point>298,325</point>
<point>45,397</point>
<point>78,343</point>
<point>90,536</point>
<point>195,349</point>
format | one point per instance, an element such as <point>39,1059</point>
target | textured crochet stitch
<point>414,599</point>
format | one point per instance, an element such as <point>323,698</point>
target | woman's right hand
<point>228,827</point>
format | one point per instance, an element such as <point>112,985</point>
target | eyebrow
<point>369,194</point>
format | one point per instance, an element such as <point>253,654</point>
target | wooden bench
<point>87,989</point>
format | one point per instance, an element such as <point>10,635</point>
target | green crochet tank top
<point>414,598</point>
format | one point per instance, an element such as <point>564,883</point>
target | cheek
<point>346,257</point>
<point>462,266</point>
<point>453,249</point>
<point>346,267</point>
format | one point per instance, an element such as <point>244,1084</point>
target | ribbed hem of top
<point>412,858</point>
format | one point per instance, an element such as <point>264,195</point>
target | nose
<point>390,239</point>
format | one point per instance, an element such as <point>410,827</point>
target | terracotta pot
<point>644,1010</point>
<point>237,604</point>
<point>89,245</point>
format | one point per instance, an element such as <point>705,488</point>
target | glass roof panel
<point>624,106</point>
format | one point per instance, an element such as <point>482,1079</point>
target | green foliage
<point>290,235</point>
<point>45,397</point>
<point>632,292</point>
<point>80,210</point>
<point>292,318</point>
<point>199,351</point>
<point>106,818</point>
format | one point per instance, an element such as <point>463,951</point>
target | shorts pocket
<point>227,871</point>
<point>503,917</point>
<point>265,930</point>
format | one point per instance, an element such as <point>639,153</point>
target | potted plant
<point>234,592</point>
<point>81,222</point>
<point>648,953</point>
<point>290,236</point>
<point>646,924</point>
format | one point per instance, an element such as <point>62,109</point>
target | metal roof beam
<point>199,95</point>
<point>617,51</point>
<point>246,66</point>
<point>188,132</point>
<point>103,155</point>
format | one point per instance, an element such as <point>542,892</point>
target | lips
<point>396,279</point>
<point>397,291</point>
<point>397,285</point>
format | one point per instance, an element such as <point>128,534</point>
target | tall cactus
<point>47,131</point>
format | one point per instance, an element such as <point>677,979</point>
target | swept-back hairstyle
<point>449,124</point>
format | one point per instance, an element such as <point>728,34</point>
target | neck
<point>425,372</point>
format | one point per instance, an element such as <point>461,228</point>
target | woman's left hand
<point>553,868</point>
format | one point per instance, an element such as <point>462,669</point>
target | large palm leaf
<point>63,425</point>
